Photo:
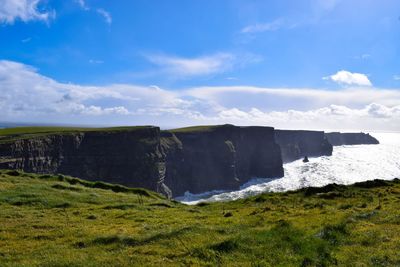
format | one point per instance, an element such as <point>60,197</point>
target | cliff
<point>171,162</point>
<point>339,139</point>
<point>220,157</point>
<point>298,144</point>
<point>129,156</point>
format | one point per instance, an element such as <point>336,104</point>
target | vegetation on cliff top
<point>199,128</point>
<point>63,221</point>
<point>10,134</point>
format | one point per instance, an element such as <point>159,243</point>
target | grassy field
<point>10,134</point>
<point>56,130</point>
<point>63,221</point>
<point>201,128</point>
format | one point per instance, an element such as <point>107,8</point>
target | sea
<point>347,165</point>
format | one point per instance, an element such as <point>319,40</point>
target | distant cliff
<point>298,144</point>
<point>220,157</point>
<point>338,139</point>
<point>171,162</point>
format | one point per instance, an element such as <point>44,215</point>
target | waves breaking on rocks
<point>347,165</point>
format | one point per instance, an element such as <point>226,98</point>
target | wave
<point>347,165</point>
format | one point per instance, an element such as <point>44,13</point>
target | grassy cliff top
<point>200,128</point>
<point>9,134</point>
<point>57,220</point>
<point>207,128</point>
<point>54,129</point>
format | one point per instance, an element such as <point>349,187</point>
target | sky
<point>306,64</point>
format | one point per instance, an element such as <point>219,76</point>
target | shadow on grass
<point>133,241</point>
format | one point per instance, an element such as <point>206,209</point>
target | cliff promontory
<point>339,139</point>
<point>298,144</point>
<point>220,157</point>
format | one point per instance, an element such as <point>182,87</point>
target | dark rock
<point>298,144</point>
<point>372,184</point>
<point>220,157</point>
<point>339,139</point>
<point>228,214</point>
<point>92,217</point>
<point>80,245</point>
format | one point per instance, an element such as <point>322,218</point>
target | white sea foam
<point>347,165</point>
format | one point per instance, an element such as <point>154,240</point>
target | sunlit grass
<point>63,221</point>
<point>9,134</point>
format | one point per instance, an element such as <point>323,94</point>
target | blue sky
<point>304,64</point>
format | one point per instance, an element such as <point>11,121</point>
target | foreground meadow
<point>63,221</point>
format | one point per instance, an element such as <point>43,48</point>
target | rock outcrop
<point>298,144</point>
<point>339,139</point>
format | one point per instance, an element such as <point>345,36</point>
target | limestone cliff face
<point>339,139</point>
<point>298,144</point>
<point>129,157</point>
<point>221,157</point>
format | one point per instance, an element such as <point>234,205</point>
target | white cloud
<point>26,95</point>
<point>308,96</point>
<point>327,4</point>
<point>205,65</point>
<point>96,61</point>
<point>106,15</point>
<point>330,117</point>
<point>365,56</point>
<point>26,40</point>
<point>24,92</point>
<point>349,78</point>
<point>263,27</point>
<point>24,10</point>
<point>82,4</point>
<point>101,11</point>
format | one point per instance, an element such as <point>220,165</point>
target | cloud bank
<point>28,96</point>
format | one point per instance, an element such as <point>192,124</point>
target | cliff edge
<point>128,156</point>
<point>339,139</point>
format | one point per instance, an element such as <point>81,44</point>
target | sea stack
<point>296,144</point>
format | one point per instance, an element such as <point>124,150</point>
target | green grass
<point>63,221</point>
<point>202,128</point>
<point>9,134</point>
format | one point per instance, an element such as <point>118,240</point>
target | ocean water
<point>347,165</point>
